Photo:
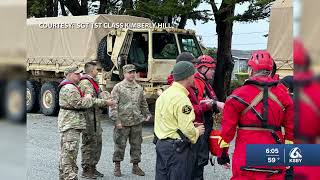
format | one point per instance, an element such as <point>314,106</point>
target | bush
<point>241,76</point>
<point>211,52</point>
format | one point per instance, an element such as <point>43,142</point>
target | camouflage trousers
<point>120,137</point>
<point>69,145</point>
<point>91,147</point>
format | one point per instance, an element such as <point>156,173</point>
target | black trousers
<point>201,149</point>
<point>201,156</point>
<point>171,164</point>
<point>289,174</point>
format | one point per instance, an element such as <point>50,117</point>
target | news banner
<point>283,155</point>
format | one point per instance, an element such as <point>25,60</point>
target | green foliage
<point>36,8</point>
<point>242,76</point>
<point>258,9</point>
<point>211,52</point>
<point>174,10</point>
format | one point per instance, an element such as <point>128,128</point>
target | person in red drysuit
<point>307,99</point>
<point>259,108</point>
<point>198,108</point>
<point>205,94</point>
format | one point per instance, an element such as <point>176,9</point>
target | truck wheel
<point>32,96</point>
<point>49,101</point>
<point>103,57</point>
<point>15,106</point>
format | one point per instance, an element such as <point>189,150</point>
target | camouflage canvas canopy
<point>67,44</point>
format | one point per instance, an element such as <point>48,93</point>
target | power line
<point>243,44</point>
<point>236,34</point>
<point>247,44</point>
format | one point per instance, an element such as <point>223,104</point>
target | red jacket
<point>276,77</point>
<point>204,88</point>
<point>309,107</point>
<point>232,117</point>
<point>308,120</point>
<point>198,108</point>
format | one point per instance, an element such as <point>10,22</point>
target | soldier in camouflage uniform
<point>71,121</point>
<point>130,111</point>
<point>92,135</point>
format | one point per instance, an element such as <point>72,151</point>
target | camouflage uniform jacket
<point>87,88</point>
<point>70,98</point>
<point>131,106</point>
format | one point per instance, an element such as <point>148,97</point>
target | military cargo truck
<point>12,60</point>
<point>280,36</point>
<point>56,43</point>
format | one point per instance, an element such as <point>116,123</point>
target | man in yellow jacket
<point>174,127</point>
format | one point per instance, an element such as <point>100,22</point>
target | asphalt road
<point>12,151</point>
<point>43,143</point>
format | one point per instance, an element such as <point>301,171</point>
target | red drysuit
<point>277,116</point>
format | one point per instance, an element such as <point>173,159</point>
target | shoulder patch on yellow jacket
<point>186,109</point>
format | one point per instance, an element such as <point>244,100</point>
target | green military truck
<point>56,43</point>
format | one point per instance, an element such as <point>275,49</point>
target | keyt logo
<point>295,155</point>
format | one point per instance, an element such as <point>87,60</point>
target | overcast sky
<point>246,36</point>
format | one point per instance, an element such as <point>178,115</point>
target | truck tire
<point>15,106</point>
<point>103,57</point>
<point>49,100</point>
<point>32,96</point>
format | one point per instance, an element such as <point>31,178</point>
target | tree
<point>63,9</point>
<point>212,52</point>
<point>170,11</point>
<point>75,7</point>
<point>224,19</point>
<point>103,6</point>
<point>42,8</point>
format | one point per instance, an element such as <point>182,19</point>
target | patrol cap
<point>72,69</point>
<point>182,70</point>
<point>128,68</point>
<point>186,56</point>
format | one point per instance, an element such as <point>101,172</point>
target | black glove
<point>215,108</point>
<point>223,159</point>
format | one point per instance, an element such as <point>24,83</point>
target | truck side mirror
<point>109,45</point>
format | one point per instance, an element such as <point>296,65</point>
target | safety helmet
<point>261,60</point>
<point>300,54</point>
<point>205,60</point>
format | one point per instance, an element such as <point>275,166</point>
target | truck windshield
<point>189,43</point>
<point>164,46</point>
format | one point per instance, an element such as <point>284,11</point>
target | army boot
<point>96,172</point>
<point>136,170</point>
<point>117,171</point>
<point>88,173</point>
